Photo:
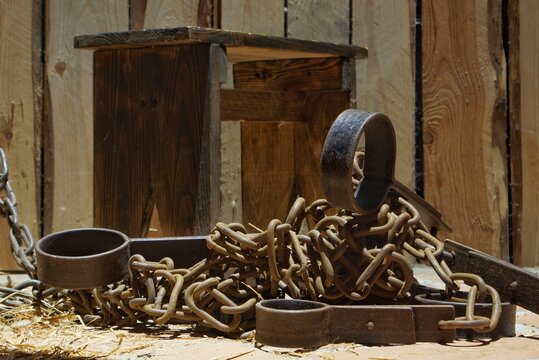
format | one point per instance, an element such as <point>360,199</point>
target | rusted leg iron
<point>337,164</point>
<point>304,324</point>
<point>90,258</point>
<point>288,322</point>
<point>99,257</point>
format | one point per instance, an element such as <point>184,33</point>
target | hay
<point>30,332</point>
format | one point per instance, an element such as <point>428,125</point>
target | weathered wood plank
<point>267,150</point>
<point>262,105</point>
<point>322,20</point>
<point>524,91</point>
<point>275,47</point>
<point>69,153</point>
<point>464,120</point>
<point>263,17</point>
<point>154,143</point>
<point>20,100</point>
<point>515,134</point>
<point>137,13</point>
<point>231,193</point>
<point>158,14</point>
<point>322,109</point>
<point>289,75</point>
<point>255,16</point>
<point>209,170</point>
<point>385,80</point>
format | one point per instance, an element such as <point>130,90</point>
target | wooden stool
<point>158,105</point>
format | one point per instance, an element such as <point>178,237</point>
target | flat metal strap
<point>514,284</point>
<point>300,323</point>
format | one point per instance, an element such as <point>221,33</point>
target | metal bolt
<point>513,285</point>
<point>370,325</point>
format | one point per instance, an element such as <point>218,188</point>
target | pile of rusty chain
<point>343,257</point>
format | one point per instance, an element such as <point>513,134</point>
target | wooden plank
<point>289,75</point>
<point>137,13</point>
<point>277,47</point>
<point>154,142</point>
<point>70,115</point>
<point>322,20</point>
<point>515,134</point>
<point>262,105</point>
<point>263,17</point>
<point>208,199</point>
<point>20,117</point>
<point>255,16</point>
<point>322,109</point>
<point>158,14</point>
<point>231,193</point>
<point>385,80</point>
<point>524,91</point>
<point>267,150</point>
<point>464,120</point>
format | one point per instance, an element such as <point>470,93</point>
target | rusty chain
<point>344,258</point>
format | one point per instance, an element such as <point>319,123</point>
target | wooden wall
<point>20,110</point>
<point>458,78</point>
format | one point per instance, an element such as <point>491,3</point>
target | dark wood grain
<point>262,105</point>
<point>289,75</point>
<point>524,125</point>
<point>515,129</point>
<point>149,137</point>
<point>170,36</point>
<point>267,150</point>
<point>208,194</point>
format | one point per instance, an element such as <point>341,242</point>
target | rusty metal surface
<point>338,157</point>
<point>514,284</point>
<point>506,323</point>
<point>88,258</point>
<point>300,323</point>
<point>82,258</point>
<point>185,251</point>
<point>346,257</point>
<point>337,164</point>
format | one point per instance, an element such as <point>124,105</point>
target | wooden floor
<point>66,337</point>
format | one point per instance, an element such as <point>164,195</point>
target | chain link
<point>344,258</point>
<point>20,236</point>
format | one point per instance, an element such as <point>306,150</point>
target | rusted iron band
<point>338,156</point>
<point>304,324</point>
<point>82,258</point>
<point>93,257</point>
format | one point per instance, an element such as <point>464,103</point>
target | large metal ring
<point>338,157</point>
<point>82,258</point>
